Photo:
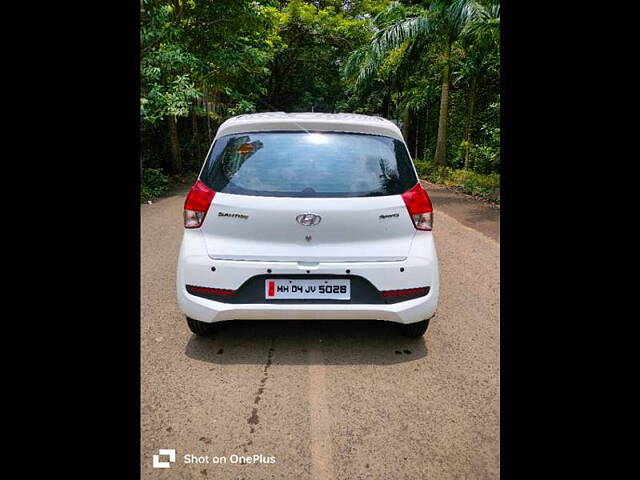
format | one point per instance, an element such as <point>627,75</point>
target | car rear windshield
<point>309,164</point>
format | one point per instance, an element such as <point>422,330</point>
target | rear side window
<point>309,164</point>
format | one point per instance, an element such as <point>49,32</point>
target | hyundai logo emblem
<point>308,219</point>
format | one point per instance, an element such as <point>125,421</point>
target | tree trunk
<point>387,100</point>
<point>441,143</point>
<point>196,137</point>
<point>176,159</point>
<point>405,124</point>
<point>467,128</point>
<point>206,110</point>
<point>273,82</point>
<point>425,142</point>
<point>415,154</point>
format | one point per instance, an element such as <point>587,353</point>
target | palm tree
<point>442,21</point>
<point>480,41</point>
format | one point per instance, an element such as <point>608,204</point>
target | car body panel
<point>239,227</point>
<point>328,122</point>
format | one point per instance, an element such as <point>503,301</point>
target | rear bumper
<point>210,311</point>
<point>420,268</point>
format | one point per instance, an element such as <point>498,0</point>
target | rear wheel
<point>415,330</point>
<point>202,329</point>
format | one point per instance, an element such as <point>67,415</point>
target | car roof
<point>312,121</point>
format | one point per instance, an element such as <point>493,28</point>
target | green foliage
<point>153,184</point>
<point>172,99</point>
<point>465,181</point>
<point>402,65</point>
<point>485,155</point>
<point>432,172</point>
<point>197,50</point>
<point>313,43</point>
<point>203,61</point>
<point>486,158</point>
<point>166,68</point>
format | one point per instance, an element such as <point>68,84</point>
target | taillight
<point>396,296</point>
<point>209,290</point>
<point>197,204</point>
<point>407,291</point>
<point>419,207</point>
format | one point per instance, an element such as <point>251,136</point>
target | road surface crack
<point>254,419</point>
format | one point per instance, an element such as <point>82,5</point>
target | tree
<point>201,49</point>
<point>480,41</point>
<point>313,43</point>
<point>441,22</point>
<point>167,87</point>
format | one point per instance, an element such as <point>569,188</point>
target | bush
<point>431,172</point>
<point>466,181</point>
<point>153,183</point>
<point>487,186</point>
<point>485,156</point>
<point>486,159</point>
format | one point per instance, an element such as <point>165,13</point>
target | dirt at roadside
<point>470,211</point>
<point>180,185</point>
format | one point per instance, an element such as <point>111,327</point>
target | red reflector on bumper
<point>407,291</point>
<point>211,291</point>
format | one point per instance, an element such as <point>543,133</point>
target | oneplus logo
<point>164,451</point>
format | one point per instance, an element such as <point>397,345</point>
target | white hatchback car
<point>308,216</point>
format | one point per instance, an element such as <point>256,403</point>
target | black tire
<point>202,329</point>
<point>415,330</point>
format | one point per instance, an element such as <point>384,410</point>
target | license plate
<point>333,289</point>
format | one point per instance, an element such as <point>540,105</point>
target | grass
<point>155,184</point>
<point>465,181</point>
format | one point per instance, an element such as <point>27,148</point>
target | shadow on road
<point>342,342</point>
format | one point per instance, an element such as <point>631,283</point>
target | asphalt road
<point>343,400</point>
